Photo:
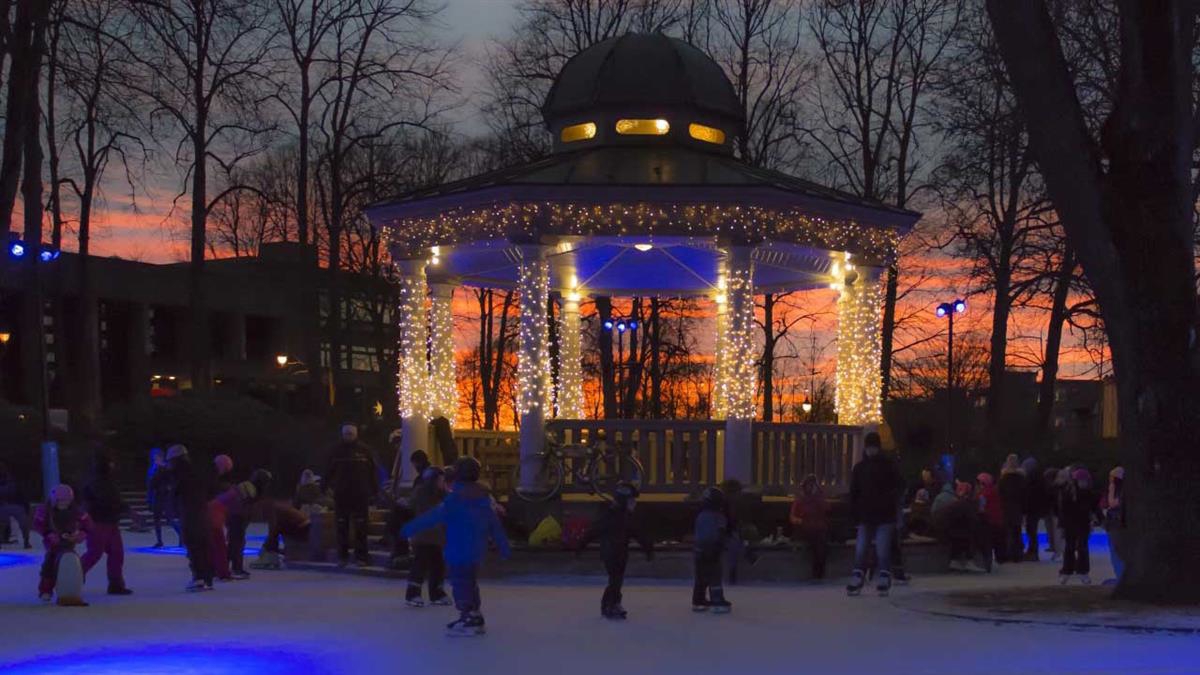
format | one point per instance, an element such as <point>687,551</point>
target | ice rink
<point>307,622</point>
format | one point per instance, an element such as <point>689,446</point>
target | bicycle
<point>598,466</point>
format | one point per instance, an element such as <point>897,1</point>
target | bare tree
<point>1126,201</point>
<point>879,59</point>
<point>197,63</point>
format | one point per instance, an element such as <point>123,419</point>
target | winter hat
<point>62,492</point>
<point>713,498</point>
<point>308,477</point>
<point>224,464</point>
<point>985,479</point>
<point>247,491</point>
<point>1118,472</point>
<point>396,436</point>
<point>962,488</point>
<point>466,470</point>
<point>177,450</point>
<point>1082,475</point>
<point>261,479</point>
<point>419,459</point>
<point>1029,466</point>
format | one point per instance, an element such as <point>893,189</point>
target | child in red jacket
<point>993,515</point>
<point>62,524</point>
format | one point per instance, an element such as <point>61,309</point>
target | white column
<point>740,387</point>
<point>443,385</point>
<point>570,359</point>
<point>859,350</point>
<point>411,346</point>
<point>533,358</point>
<point>720,405</point>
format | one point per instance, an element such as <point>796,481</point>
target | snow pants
<point>615,567</point>
<point>1076,559</point>
<point>104,539</point>
<point>464,583</point>
<point>427,566</point>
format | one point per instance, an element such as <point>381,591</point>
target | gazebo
<point>643,195</point>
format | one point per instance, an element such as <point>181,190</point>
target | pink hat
<point>1082,475</point>
<point>985,479</point>
<point>62,492</point>
<point>224,464</point>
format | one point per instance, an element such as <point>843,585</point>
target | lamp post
<point>621,326</point>
<point>947,310</point>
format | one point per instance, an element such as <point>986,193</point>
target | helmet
<point>62,492</point>
<point>224,464</point>
<point>261,479</point>
<point>1082,475</point>
<point>713,498</point>
<point>466,470</point>
<point>175,451</point>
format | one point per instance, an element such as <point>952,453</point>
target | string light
<point>412,378</point>
<point>443,385</point>
<point>533,364</point>
<point>721,349</point>
<point>527,221</point>
<point>859,382</point>
<point>738,366</point>
<point>570,367</point>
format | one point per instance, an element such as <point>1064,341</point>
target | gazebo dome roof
<point>647,76</point>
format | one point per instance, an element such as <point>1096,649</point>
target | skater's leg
<point>49,572</point>
<point>341,514</point>
<point>437,573</point>
<point>1068,566</point>
<point>116,560</point>
<point>1083,557</point>
<point>615,569</point>
<point>360,532</point>
<point>1115,542</point>
<point>465,587</point>
<point>884,537</point>
<point>417,573</point>
<point>818,544</point>
<point>158,521</point>
<point>97,542</point>
<point>236,542</point>
<point>861,544</point>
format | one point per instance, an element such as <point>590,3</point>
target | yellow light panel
<point>706,134</point>
<point>643,127</point>
<point>578,132</point>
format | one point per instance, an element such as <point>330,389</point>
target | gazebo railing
<point>784,454</point>
<point>676,455</point>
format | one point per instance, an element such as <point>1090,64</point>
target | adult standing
<point>191,504</point>
<point>351,474</point>
<point>1114,522</point>
<point>158,496</point>
<point>875,490</point>
<point>11,506</point>
<point>1012,489</point>
<point>1080,504</point>
<point>102,499</point>
<point>1036,505</point>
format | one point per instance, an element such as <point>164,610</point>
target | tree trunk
<point>36,382</point>
<point>1058,317</point>
<point>1001,308</point>
<point>633,364</point>
<point>1129,220</point>
<point>656,374</point>
<point>21,89</point>
<point>333,289</point>
<point>888,331</point>
<point>200,337</point>
<point>608,387</point>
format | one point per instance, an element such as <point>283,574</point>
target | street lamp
<point>282,360</point>
<point>622,327</point>
<point>947,310</point>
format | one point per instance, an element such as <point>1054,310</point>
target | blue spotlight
<point>632,325</point>
<point>16,248</point>
<point>621,327</point>
<point>960,306</point>
<point>608,325</point>
<point>48,254</point>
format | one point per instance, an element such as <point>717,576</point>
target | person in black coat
<point>614,528</point>
<point>1012,502</point>
<point>875,490</point>
<point>1036,505</point>
<point>352,475</point>
<point>191,504</point>
<point>1079,506</point>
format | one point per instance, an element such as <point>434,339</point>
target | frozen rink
<point>306,622</point>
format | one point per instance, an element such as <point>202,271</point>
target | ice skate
<point>45,597</point>
<point>700,607</point>
<point>119,589</point>
<point>718,602</point>
<point>884,586</point>
<point>442,600</point>
<point>267,560</point>
<point>970,566</point>
<point>415,603</point>
<point>194,586</point>
<point>856,583</point>
<point>615,612</point>
<point>1063,579</point>
<point>240,575</point>
<point>1087,580</point>
<point>958,566</point>
<point>468,625</point>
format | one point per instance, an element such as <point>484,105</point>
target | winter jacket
<point>990,506</point>
<point>158,485</point>
<point>425,498</point>
<point>351,473</point>
<point>52,523</point>
<point>191,496</point>
<point>103,500</point>
<point>236,500</point>
<point>944,500</point>
<point>810,512</point>
<point>1037,495</point>
<point>1012,495</point>
<point>469,519</point>
<point>712,532</point>
<point>613,529</point>
<point>1077,507</point>
<point>875,490</point>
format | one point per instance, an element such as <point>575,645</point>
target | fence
<point>784,454</point>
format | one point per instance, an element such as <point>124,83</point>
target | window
<point>643,127</point>
<point>706,134</point>
<point>578,132</point>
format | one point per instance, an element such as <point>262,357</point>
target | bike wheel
<point>545,482</point>
<point>610,469</point>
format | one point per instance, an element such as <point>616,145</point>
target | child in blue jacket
<point>469,521</point>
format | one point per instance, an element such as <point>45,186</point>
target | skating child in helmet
<point>62,524</point>
<point>712,539</point>
<point>470,521</point>
<point>613,529</point>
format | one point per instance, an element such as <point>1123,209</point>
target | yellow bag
<point>548,532</point>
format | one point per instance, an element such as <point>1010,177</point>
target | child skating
<point>470,521</point>
<point>63,525</point>
<point>105,508</point>
<point>613,529</point>
<point>427,564</point>
<point>712,538</point>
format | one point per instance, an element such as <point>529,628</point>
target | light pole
<point>947,310</point>
<point>621,326</point>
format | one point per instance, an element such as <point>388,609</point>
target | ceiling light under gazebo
<point>643,247</point>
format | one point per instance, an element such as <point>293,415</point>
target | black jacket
<point>191,495</point>
<point>875,490</point>
<point>351,473</point>
<point>103,501</point>
<point>1012,495</point>
<point>1077,507</point>
<point>613,529</point>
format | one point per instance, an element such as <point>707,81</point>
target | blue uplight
<point>10,560</point>
<point>16,249</point>
<point>48,254</point>
<point>156,657</point>
<point>177,550</point>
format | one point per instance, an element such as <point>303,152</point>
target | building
<point>257,315</point>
